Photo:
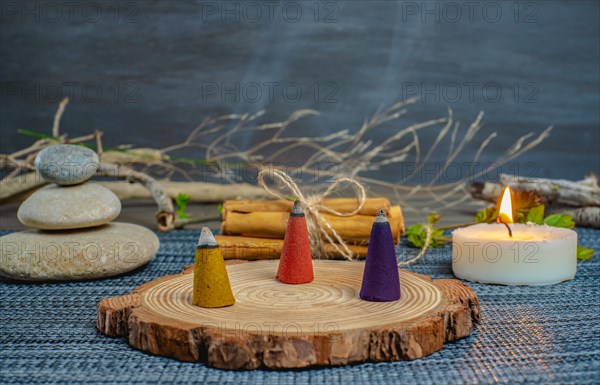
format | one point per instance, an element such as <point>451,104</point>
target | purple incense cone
<point>381,282</point>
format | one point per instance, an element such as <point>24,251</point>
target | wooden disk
<point>278,326</point>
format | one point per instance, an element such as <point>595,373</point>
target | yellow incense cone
<point>211,282</point>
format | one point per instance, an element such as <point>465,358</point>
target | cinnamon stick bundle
<point>252,248</point>
<point>268,219</point>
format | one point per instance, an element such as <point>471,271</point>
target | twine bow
<point>318,227</point>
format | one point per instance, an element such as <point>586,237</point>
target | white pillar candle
<point>534,255</point>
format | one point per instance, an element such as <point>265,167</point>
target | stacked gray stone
<point>73,236</point>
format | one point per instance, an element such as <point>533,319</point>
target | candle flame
<point>505,212</point>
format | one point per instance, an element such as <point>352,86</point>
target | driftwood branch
<point>580,199</point>
<point>559,191</point>
<point>203,192</point>
<point>580,193</point>
<point>21,187</point>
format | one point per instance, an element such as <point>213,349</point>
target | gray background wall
<point>148,72</point>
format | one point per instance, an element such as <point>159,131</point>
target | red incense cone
<point>295,262</point>
<point>381,281</point>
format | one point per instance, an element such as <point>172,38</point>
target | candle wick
<point>507,227</point>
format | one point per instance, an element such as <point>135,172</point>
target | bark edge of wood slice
<point>278,326</point>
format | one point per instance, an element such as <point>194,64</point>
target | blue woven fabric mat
<point>547,334</point>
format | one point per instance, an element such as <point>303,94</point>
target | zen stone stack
<point>73,236</point>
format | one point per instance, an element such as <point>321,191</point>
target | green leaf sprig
<point>182,201</point>
<point>584,253</point>
<point>417,234</point>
